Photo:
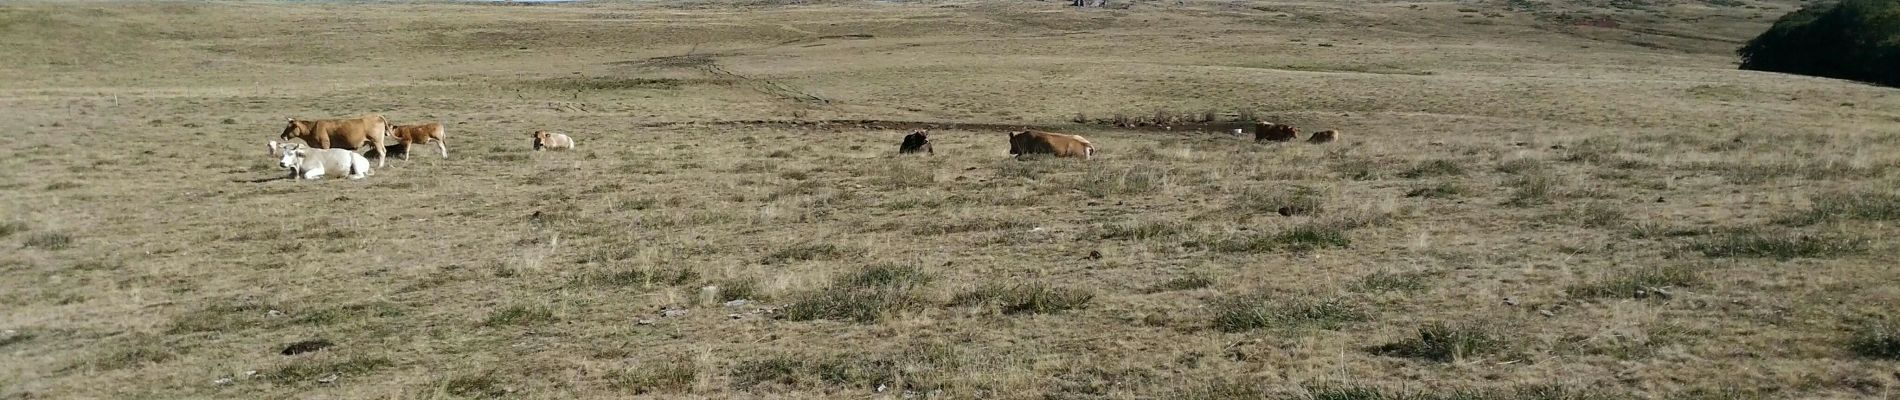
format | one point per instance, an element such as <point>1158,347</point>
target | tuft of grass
<point>1596,214</point>
<point>1141,230</point>
<point>637,204</point>
<point>1445,343</point>
<point>1342,391</point>
<point>1866,206</point>
<point>7,229</point>
<point>1519,166</point>
<point>10,339</point>
<point>1250,312</point>
<point>1638,283</point>
<point>1433,168</point>
<point>1300,238</point>
<point>1754,243</point>
<point>1880,341</point>
<point>1441,190</point>
<point>1383,281</point>
<point>1034,298</point>
<point>62,186</point>
<point>50,240</point>
<point>521,314</point>
<point>1189,282</point>
<point>1534,190</point>
<point>1298,199</point>
<point>904,176</point>
<point>739,289</point>
<point>310,369</point>
<point>1357,169</point>
<point>675,375</point>
<point>1103,182</point>
<point>142,352</point>
<point>866,295</point>
<point>639,277</point>
<point>914,370</point>
<point>1654,230</point>
<point>1223,390</point>
<point>809,252</point>
<point>981,224</point>
<point>476,385</point>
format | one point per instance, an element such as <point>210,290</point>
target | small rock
<point>1095,255</point>
<point>1546,313</point>
<point>673,313</point>
<point>735,316</point>
<point>643,322</point>
<point>881,388</point>
<point>306,346</point>
<point>738,303</point>
<point>1659,199</point>
<point>328,378</point>
<point>273,313</point>
<point>1510,301</point>
<point>250,373</point>
<point>221,381</point>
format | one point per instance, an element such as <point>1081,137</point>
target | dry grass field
<point>1534,199</point>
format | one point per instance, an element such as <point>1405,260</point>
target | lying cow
<point>419,134</point>
<point>1272,132</point>
<point>1324,136</point>
<point>313,164</point>
<point>349,134</point>
<point>918,141</point>
<point>552,141</point>
<point>1060,145</point>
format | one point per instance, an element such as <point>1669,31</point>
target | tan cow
<point>419,134</point>
<point>1272,132</point>
<point>348,134</point>
<point>1060,145</point>
<point>552,141</point>
<point>1324,136</point>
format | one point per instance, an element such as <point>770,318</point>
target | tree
<point>1849,39</point>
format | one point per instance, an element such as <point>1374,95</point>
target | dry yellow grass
<point>1590,212</point>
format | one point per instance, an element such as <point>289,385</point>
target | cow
<point>1272,132</point>
<point>1324,136</point>
<point>349,134</point>
<point>1060,145</point>
<point>918,141</point>
<point>419,134</point>
<point>552,141</point>
<point>314,163</point>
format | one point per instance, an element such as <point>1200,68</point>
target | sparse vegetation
<point>1446,343</point>
<point>1301,238</point>
<point>1639,283</point>
<point>49,240</point>
<point>1384,281</point>
<point>1441,190</point>
<point>1188,282</point>
<point>809,252</point>
<point>1250,312</point>
<point>866,295</point>
<point>1432,168</point>
<point>672,375</point>
<point>520,314</point>
<point>1534,190</point>
<point>1863,206</point>
<point>1880,341</point>
<point>1034,298</point>
<point>1782,245</point>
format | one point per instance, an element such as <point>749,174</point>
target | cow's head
<point>293,156</point>
<point>294,128</point>
<point>540,139</point>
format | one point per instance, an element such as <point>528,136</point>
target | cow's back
<point>419,133</point>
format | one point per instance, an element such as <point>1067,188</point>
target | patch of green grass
<point>1863,206</point>
<point>482,384</point>
<point>1300,238</point>
<point>639,277</point>
<point>1102,182</point>
<point>1250,312</point>
<point>1643,280</point>
<point>740,289</point>
<point>7,229</point>
<point>675,375</point>
<point>1384,281</point>
<point>1433,168</point>
<point>1188,282</point>
<point>1445,343</point>
<point>309,370</point>
<point>1033,298</point>
<point>1754,243</point>
<point>1440,190</point>
<point>809,252</point>
<point>964,225</point>
<point>521,314</point>
<point>865,295</point>
<point>1880,341</point>
<point>1141,230</point>
<point>50,240</point>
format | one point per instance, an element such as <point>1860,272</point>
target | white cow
<point>313,164</point>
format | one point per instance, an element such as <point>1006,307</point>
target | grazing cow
<point>552,141</point>
<point>918,141</point>
<point>1060,145</point>
<point>1272,132</point>
<point>312,163</point>
<point>349,134</point>
<point>1324,136</point>
<point>419,134</point>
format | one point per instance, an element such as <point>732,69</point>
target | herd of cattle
<point>331,146</point>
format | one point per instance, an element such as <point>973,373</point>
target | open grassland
<point>1529,203</point>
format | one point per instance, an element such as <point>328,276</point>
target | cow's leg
<point>405,149</point>
<point>444,146</point>
<point>313,173</point>
<point>382,154</point>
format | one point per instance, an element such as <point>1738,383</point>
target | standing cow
<point>348,134</point>
<point>918,141</point>
<point>419,134</point>
<point>1057,144</point>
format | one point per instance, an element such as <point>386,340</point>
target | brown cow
<point>420,134</point>
<point>1272,132</point>
<point>1324,136</point>
<point>1060,145</point>
<point>349,134</point>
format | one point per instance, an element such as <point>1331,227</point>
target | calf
<point>313,164</point>
<point>1324,136</point>
<point>419,134</point>
<point>1272,132</point>
<point>552,141</point>
<point>918,141</point>
<point>1057,144</point>
<point>351,134</point>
